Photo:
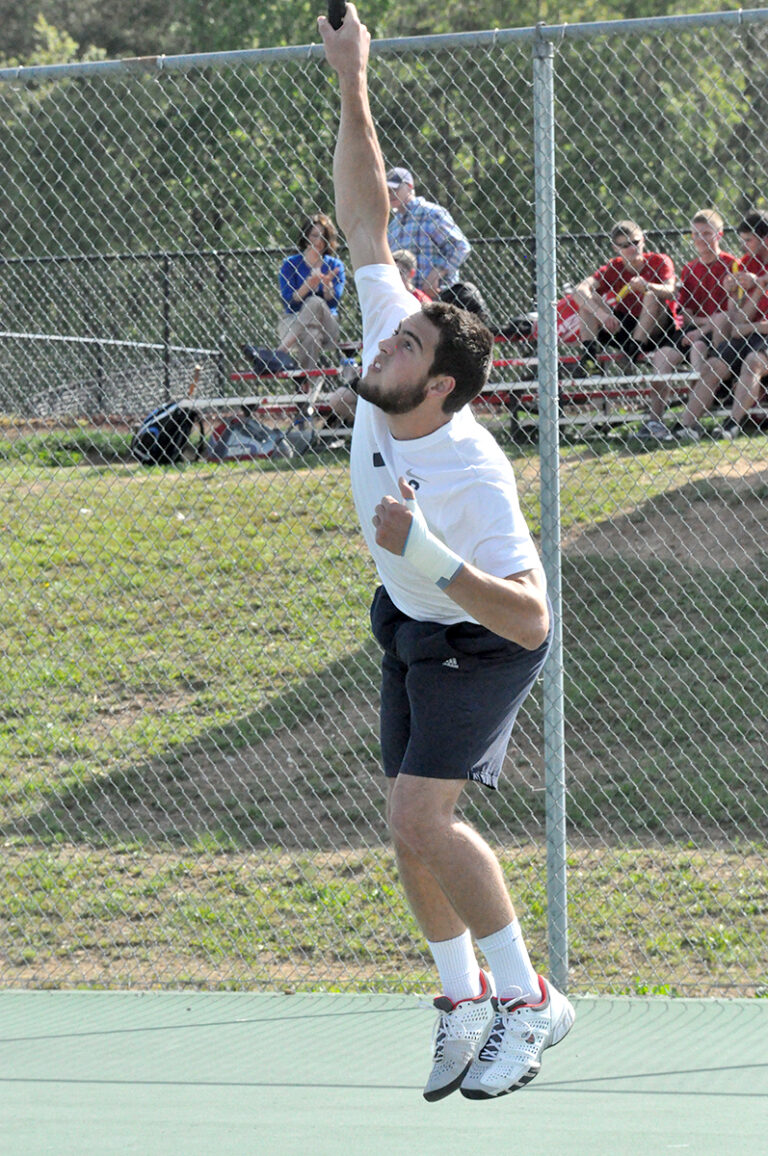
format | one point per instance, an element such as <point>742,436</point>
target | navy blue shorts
<point>674,338</point>
<point>449,695</point>
<point>736,351</point>
<point>663,334</point>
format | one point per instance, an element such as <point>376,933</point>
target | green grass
<point>68,447</point>
<point>172,637</point>
<point>191,594</point>
<point>112,918</point>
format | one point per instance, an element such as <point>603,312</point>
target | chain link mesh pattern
<point>190,792</point>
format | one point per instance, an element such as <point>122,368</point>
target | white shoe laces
<point>449,1028</point>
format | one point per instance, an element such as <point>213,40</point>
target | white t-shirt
<point>464,483</point>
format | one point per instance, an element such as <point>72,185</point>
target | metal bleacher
<point>609,399</point>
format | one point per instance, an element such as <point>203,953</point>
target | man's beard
<point>407,398</point>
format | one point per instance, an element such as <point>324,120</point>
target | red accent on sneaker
<point>513,1005</point>
<point>443,1003</point>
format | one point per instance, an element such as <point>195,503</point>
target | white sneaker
<point>654,430</point>
<point>687,433</point>
<point>461,1030</point>
<point>511,1056</point>
<point>729,430</point>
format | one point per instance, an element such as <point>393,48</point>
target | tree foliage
<point>122,28</point>
<point>145,162</point>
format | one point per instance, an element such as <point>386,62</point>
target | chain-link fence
<point>190,792</point>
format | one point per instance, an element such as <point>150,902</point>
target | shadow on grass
<point>301,770</point>
<point>665,643</point>
<point>664,669</point>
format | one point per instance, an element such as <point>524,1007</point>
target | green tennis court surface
<point>104,1073</point>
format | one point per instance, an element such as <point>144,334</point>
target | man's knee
<point>756,364</point>
<point>414,826</point>
<point>407,828</point>
<point>650,319</point>
<point>715,370</point>
<point>314,309</point>
<point>665,359</point>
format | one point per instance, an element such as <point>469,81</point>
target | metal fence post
<point>223,318</point>
<point>166,326</point>
<point>546,287</point>
<point>100,390</point>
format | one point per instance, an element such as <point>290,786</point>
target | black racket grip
<point>336,12</point>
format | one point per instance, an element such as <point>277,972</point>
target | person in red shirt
<point>629,302</point>
<point>743,356</point>
<point>703,296</point>
<point>703,299</point>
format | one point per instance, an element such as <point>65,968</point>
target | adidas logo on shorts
<point>452,663</point>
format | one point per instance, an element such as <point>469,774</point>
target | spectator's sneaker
<point>511,1056</point>
<point>269,361</point>
<point>729,430</point>
<point>654,430</point>
<point>461,1030</point>
<point>687,433</point>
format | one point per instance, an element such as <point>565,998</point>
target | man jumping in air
<point>461,614</point>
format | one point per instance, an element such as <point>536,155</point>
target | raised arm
<point>359,176</point>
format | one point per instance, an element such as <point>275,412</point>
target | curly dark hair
<point>329,232</point>
<point>464,351</point>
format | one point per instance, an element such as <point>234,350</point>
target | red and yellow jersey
<point>612,283</point>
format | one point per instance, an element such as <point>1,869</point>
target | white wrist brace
<point>428,554</point>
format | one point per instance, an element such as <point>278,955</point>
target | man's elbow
<point>528,610</point>
<point>532,627</point>
<point>535,631</point>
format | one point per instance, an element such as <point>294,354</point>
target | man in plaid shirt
<point>428,230</point>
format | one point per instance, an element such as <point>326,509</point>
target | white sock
<point>508,960</point>
<point>458,968</point>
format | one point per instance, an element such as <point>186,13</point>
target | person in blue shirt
<point>311,288</point>
<point>428,230</point>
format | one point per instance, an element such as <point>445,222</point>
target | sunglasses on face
<point>631,244</point>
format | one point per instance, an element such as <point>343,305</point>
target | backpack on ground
<point>246,438</point>
<point>166,435</point>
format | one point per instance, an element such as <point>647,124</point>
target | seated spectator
<point>406,264</point>
<point>429,231</point>
<point>628,302</point>
<point>703,301</point>
<point>311,287</point>
<point>743,357</point>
